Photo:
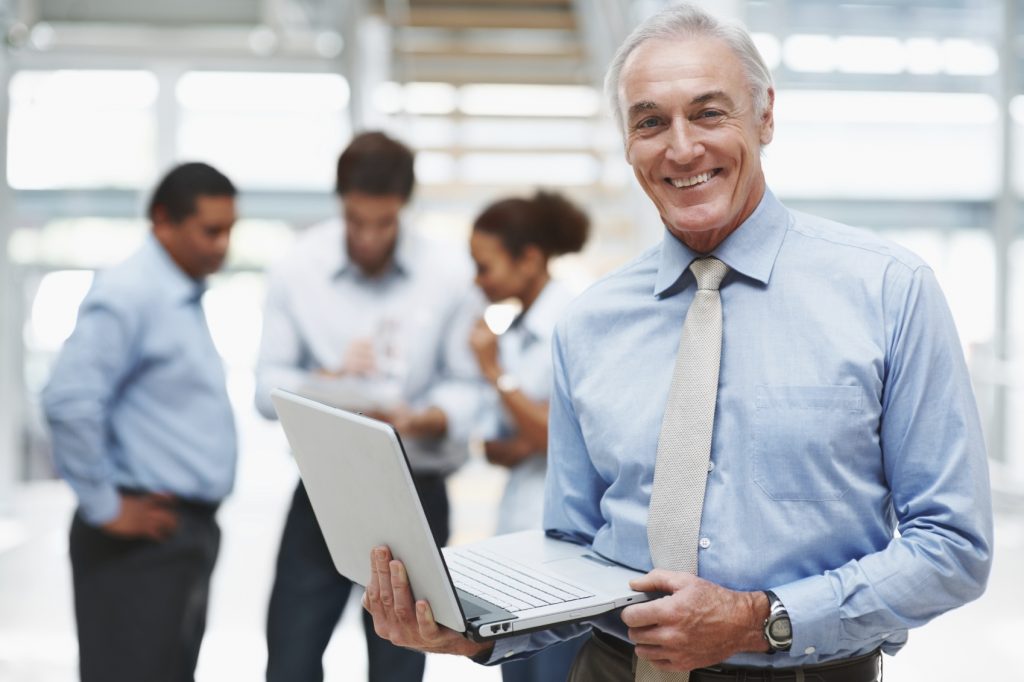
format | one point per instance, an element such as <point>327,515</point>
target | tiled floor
<point>37,643</point>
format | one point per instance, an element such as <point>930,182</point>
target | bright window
<point>265,130</point>
<point>82,129</point>
<point>884,144</point>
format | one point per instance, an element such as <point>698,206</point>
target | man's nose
<point>684,143</point>
<point>367,235</point>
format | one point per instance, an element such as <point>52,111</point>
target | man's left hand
<point>697,624</point>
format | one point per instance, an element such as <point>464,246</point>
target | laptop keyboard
<point>505,583</point>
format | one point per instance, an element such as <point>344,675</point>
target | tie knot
<point>709,272</point>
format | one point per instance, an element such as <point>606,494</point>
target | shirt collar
<point>176,283</point>
<point>540,319</point>
<point>403,259</point>
<point>751,250</point>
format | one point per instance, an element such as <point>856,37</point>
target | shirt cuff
<point>508,648</point>
<point>98,504</point>
<point>814,614</point>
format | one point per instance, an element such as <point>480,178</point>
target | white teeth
<point>690,182</point>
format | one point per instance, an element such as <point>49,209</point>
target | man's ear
<point>160,217</point>
<point>768,119</point>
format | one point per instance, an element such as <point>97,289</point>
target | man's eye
<point>710,113</point>
<point>649,122</point>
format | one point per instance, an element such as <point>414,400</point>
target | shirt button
<point>705,543</point>
<point>711,466</point>
<point>809,650</point>
<point>509,654</point>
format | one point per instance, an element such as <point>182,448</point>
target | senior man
<point>810,480</point>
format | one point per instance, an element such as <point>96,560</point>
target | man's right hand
<point>360,358</point>
<point>144,516</point>
<point>397,619</point>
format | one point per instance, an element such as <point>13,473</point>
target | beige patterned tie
<point>684,445</point>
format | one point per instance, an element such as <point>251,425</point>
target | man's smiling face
<point>693,137</point>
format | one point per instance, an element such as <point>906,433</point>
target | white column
<point>11,397</point>
<point>1004,234</point>
<point>167,115</point>
<point>368,63</point>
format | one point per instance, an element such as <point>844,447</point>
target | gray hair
<point>688,21</point>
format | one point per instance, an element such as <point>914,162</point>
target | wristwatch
<point>507,383</point>
<point>778,631</point>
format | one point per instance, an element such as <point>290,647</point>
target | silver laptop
<point>361,488</point>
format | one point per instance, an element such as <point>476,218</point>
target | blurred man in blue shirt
<point>144,434</point>
<point>847,496</point>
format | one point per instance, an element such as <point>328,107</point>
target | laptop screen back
<point>358,481</point>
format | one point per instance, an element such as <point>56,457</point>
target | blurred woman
<point>511,243</point>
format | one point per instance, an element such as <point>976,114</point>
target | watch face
<point>780,629</point>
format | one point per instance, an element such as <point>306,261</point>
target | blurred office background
<point>904,117</point>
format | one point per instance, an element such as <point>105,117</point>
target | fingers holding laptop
<point>403,621</point>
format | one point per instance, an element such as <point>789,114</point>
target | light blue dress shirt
<point>137,397</point>
<point>525,353</point>
<point>419,313</point>
<point>848,472</point>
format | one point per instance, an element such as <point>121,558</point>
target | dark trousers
<point>600,661</point>
<point>604,658</point>
<point>309,596</point>
<point>550,665</point>
<point>140,605</point>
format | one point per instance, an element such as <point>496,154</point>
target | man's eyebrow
<point>639,107</point>
<point>712,96</point>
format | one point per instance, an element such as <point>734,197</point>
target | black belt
<point>858,669</point>
<point>199,507</point>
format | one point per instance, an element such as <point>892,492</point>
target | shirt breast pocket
<point>800,436</point>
